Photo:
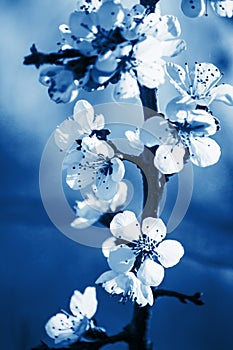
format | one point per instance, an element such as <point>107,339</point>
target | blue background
<point>40,267</point>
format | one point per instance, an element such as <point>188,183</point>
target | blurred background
<point>40,267</point>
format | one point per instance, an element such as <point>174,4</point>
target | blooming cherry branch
<point>106,43</point>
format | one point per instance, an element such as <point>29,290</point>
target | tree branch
<point>93,345</point>
<point>136,333</point>
<point>39,58</point>
<point>139,328</point>
<point>183,298</point>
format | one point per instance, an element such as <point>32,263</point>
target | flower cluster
<point>184,134</point>
<point>66,329</point>
<point>197,8</point>
<point>137,257</point>
<point>91,164</point>
<point>105,42</point>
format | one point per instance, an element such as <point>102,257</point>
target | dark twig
<point>39,58</point>
<point>139,328</point>
<point>93,345</point>
<point>183,298</point>
<point>136,333</point>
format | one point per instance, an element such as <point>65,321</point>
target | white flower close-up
<point>95,164</point>
<point>84,122</point>
<point>65,328</point>
<point>142,251</point>
<point>197,87</point>
<point>92,208</point>
<point>180,140</point>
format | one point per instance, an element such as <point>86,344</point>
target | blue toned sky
<point>40,267</point>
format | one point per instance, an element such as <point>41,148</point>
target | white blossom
<point>128,285</point>
<point>197,87</point>
<point>90,209</point>
<point>189,137</point>
<point>95,164</point>
<point>83,123</point>
<point>65,328</point>
<point>183,138</point>
<point>142,251</point>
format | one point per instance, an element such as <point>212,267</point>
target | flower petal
<point>118,169</point>
<point>79,176</point>
<point>121,259</point>
<point>110,15</point>
<point>81,223</point>
<point>126,88</point>
<point>105,188</point>
<point>151,273</point>
<point>120,198</point>
<point>155,131</point>
<point>84,304</point>
<point>141,293</point>
<point>172,48</point>
<point>148,50</point>
<point>169,159</point>
<point>222,93</point>
<point>170,252</point>
<point>177,109</point>
<point>196,8</point>
<point>95,148</point>
<point>108,245</point>
<point>135,142</point>
<point>202,123</point>
<point>154,228</point>
<point>205,77</point>
<point>60,327</point>
<point>69,337</point>
<point>146,296</point>
<point>91,208</point>
<point>72,157</point>
<point>82,24</point>
<point>105,278</point>
<point>115,283</point>
<point>168,28</point>
<point>125,226</point>
<point>149,24</point>
<point>177,77</point>
<point>223,8</point>
<point>83,114</point>
<point>204,151</point>
<point>150,74</point>
<point>66,134</point>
